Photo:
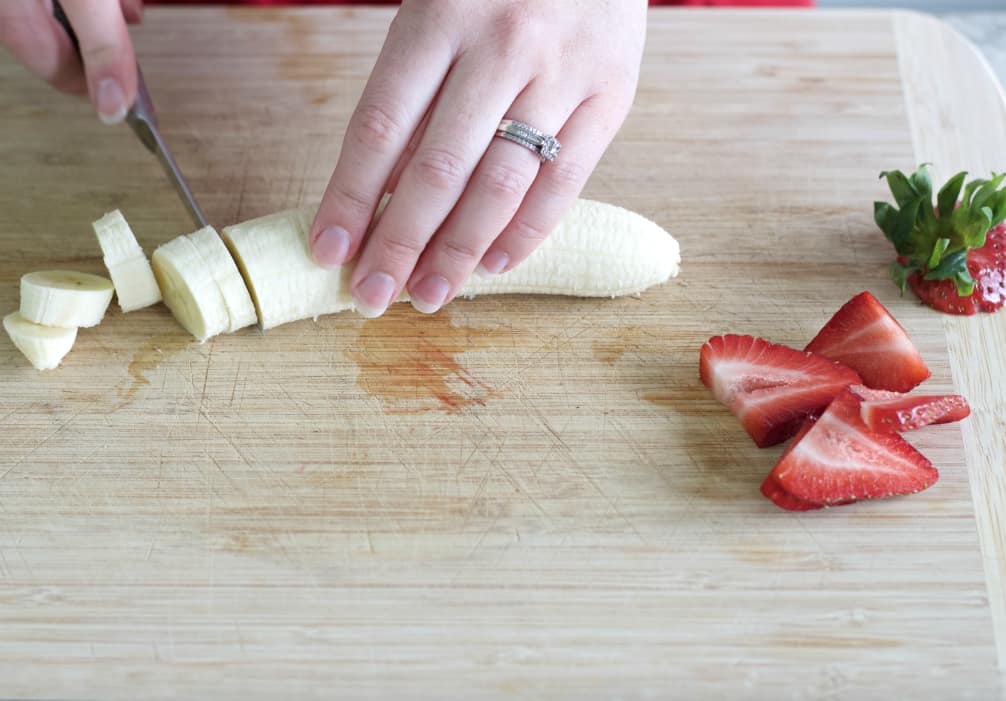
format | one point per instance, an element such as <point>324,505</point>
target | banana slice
<point>65,298</point>
<point>135,285</point>
<point>44,346</point>
<point>240,309</point>
<point>202,286</point>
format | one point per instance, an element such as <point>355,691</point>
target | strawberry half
<point>770,388</point>
<point>953,255</point>
<point>841,460</point>
<point>891,411</point>
<point>865,337</point>
<point>772,490</point>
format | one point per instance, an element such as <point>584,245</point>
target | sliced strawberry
<point>770,388</point>
<point>776,493</point>
<point>865,337</point>
<point>891,411</point>
<point>841,460</point>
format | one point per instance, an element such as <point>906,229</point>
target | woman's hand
<point>29,30</point>
<point>449,72</point>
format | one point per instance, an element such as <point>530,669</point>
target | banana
<point>202,286</point>
<point>64,298</point>
<point>44,346</point>
<point>598,250</point>
<point>135,285</point>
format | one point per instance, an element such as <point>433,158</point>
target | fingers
<point>584,139</point>
<point>31,33</point>
<point>492,197</point>
<point>109,61</point>
<point>473,100</point>
<point>132,11</point>
<point>410,69</point>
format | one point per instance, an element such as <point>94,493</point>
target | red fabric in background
<point>690,3</point>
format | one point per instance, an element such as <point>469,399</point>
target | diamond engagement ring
<point>546,146</point>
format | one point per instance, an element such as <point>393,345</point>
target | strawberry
<point>891,411</point>
<point>770,388</point>
<point>864,336</point>
<point>776,493</point>
<point>953,255</point>
<point>841,460</point>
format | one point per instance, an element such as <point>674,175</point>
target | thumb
<point>107,50</point>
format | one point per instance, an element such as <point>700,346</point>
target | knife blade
<point>143,121</point>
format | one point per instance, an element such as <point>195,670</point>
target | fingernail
<point>492,264</point>
<point>332,247</point>
<point>429,294</point>
<point>111,101</point>
<point>373,295</point>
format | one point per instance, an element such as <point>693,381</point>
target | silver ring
<point>544,145</point>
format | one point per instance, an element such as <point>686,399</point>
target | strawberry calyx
<point>933,242</point>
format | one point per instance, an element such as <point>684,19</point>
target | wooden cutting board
<point>518,497</point>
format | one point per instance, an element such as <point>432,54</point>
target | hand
<point>449,72</point>
<point>29,30</point>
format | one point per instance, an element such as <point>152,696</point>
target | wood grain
<point>518,497</point>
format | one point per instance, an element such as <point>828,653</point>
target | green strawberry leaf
<point>899,274</point>
<point>987,190</point>
<point>885,216</point>
<point>997,204</point>
<point>965,283</point>
<point>921,182</point>
<point>947,199</point>
<point>904,224</point>
<point>938,250</point>
<point>901,187</point>
<point>951,265</point>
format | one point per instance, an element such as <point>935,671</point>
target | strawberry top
<point>933,241</point>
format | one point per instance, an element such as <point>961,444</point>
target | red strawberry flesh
<point>776,493</point>
<point>769,387</point>
<point>841,460</point>
<point>864,336</point>
<point>987,266</point>
<point>891,411</point>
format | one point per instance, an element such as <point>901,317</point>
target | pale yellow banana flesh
<point>43,346</point>
<point>599,250</point>
<point>135,285</point>
<point>65,298</point>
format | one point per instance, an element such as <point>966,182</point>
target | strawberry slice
<point>776,493</point>
<point>841,460</point>
<point>864,336</point>
<point>770,388</point>
<point>891,411</point>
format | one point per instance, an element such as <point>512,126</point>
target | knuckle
<point>376,127</point>
<point>516,27</point>
<point>398,249</point>
<point>439,169</point>
<point>100,54</point>
<point>529,233</point>
<point>565,178</point>
<point>460,252</point>
<point>348,199</point>
<point>505,182</point>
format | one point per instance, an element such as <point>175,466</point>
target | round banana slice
<point>135,285</point>
<point>211,248</point>
<point>189,288</point>
<point>43,346</point>
<point>65,298</point>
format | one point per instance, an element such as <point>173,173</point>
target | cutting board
<point>519,496</point>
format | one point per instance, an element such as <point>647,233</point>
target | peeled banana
<point>135,286</point>
<point>599,250</point>
<point>64,298</point>
<point>44,346</point>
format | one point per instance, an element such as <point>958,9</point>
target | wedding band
<point>544,145</point>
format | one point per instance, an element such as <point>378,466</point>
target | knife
<point>143,121</point>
